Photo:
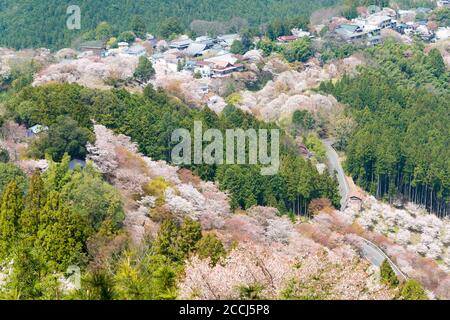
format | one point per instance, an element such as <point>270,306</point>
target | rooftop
<point>93,45</point>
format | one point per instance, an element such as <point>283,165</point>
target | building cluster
<point>210,57</point>
<point>366,29</point>
<point>205,57</point>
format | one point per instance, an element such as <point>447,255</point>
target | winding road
<point>334,165</point>
<point>369,250</point>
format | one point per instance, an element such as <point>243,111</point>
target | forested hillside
<point>401,144</point>
<point>150,119</point>
<point>32,23</point>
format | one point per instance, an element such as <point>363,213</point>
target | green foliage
<point>268,46</point>
<point>113,43</point>
<point>10,211</point>
<point>96,202</point>
<point>399,104</point>
<point>412,290</point>
<point>237,47</point>
<point>149,119</point>
<point>61,236</point>
<point>144,71</point>
<point>151,277</point>
<point>442,16</point>
<point>388,275</point>
<point>349,11</point>
<point>313,143</point>
<point>210,247</point>
<point>21,75</point>
<point>95,285</point>
<point>175,241</point>
<point>282,27</point>
<point>27,280</point>
<point>298,50</point>
<point>157,188</point>
<point>126,36</point>
<point>10,172</point>
<point>334,49</point>
<point>44,104</point>
<point>35,200</point>
<point>28,23</point>
<point>103,31</point>
<point>437,63</point>
<point>48,230</point>
<point>303,120</point>
<point>146,273</point>
<point>138,26</point>
<point>189,235</point>
<point>180,65</point>
<point>169,27</point>
<point>65,136</point>
<point>251,292</point>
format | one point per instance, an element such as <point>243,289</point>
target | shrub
<point>388,275</point>
<point>210,246</point>
<point>157,188</point>
<point>412,290</point>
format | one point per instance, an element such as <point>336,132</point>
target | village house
<point>299,33</point>
<point>355,201</point>
<point>196,49</point>
<point>190,65</point>
<point>98,48</point>
<point>381,21</point>
<point>223,69</point>
<point>136,50</point>
<point>203,68</point>
<point>286,39</point>
<point>123,45</point>
<point>227,40</point>
<point>443,3</point>
<point>152,40</point>
<point>173,56</point>
<point>224,65</point>
<point>36,129</point>
<point>350,32</point>
<point>180,44</point>
<point>443,33</point>
<point>209,42</point>
<point>204,88</point>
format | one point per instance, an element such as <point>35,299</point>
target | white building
<point>443,33</point>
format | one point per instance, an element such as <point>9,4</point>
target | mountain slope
<point>32,23</point>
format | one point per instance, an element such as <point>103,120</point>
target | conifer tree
<point>388,275</point>
<point>165,243</point>
<point>61,235</point>
<point>210,246</point>
<point>11,209</point>
<point>35,200</point>
<point>437,62</point>
<point>190,233</point>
